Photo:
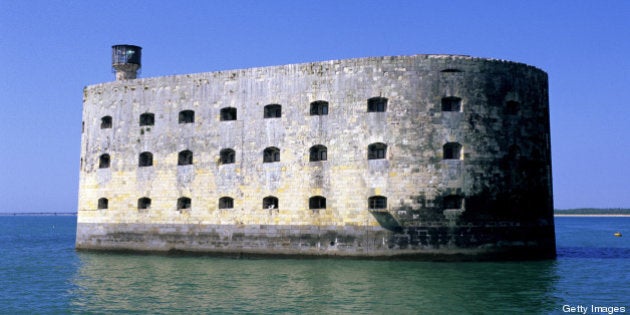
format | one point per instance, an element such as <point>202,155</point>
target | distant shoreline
<point>37,214</point>
<point>591,215</point>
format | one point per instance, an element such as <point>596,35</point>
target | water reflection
<point>110,283</point>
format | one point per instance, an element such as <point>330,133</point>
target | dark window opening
<point>512,107</point>
<point>185,158</point>
<point>273,111</point>
<point>183,203</point>
<point>82,126</point>
<point>317,202</point>
<point>377,202</point>
<point>106,122</point>
<point>147,119</point>
<point>186,117</point>
<point>104,161</point>
<point>103,203</point>
<point>270,202</point>
<point>319,108</point>
<point>227,156</point>
<point>318,153</point>
<point>514,152</point>
<point>377,151</point>
<point>451,104</point>
<point>144,203</point>
<point>377,104</point>
<point>453,202</point>
<point>452,151</point>
<point>228,113</point>
<point>451,70</point>
<point>226,203</point>
<point>145,159</point>
<point>271,154</point>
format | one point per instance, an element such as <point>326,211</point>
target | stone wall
<point>467,153</point>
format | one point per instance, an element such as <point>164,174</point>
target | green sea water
<point>41,273</point>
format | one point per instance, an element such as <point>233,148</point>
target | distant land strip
<point>593,212</point>
<point>38,214</point>
<point>558,212</point>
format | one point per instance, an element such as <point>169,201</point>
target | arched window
<point>452,151</point>
<point>319,108</point>
<point>103,161</point>
<point>186,116</point>
<point>103,203</point>
<point>512,107</point>
<point>144,203</point>
<point>106,122</point>
<point>227,156</point>
<point>147,119</point>
<point>451,104</point>
<point>377,151</point>
<point>185,158</point>
<point>273,111</point>
<point>318,153</point>
<point>317,202</point>
<point>228,113</point>
<point>226,203</point>
<point>377,202</point>
<point>183,203</point>
<point>145,159</point>
<point>271,154</point>
<point>270,202</point>
<point>452,202</point>
<point>377,104</point>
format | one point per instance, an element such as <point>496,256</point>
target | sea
<point>42,273</point>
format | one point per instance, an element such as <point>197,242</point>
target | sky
<point>50,50</point>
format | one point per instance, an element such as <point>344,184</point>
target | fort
<point>419,157</point>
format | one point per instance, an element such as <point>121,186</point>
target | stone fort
<point>423,157</point>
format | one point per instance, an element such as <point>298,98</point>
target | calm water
<point>40,272</point>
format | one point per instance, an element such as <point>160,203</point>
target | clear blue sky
<point>50,50</point>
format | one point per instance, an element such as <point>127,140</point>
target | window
<point>452,202</point>
<point>270,202</point>
<point>451,70</point>
<point>377,202</point>
<point>147,119</point>
<point>512,107</point>
<point>186,117</point>
<point>319,108</point>
<point>271,154</point>
<point>377,151</point>
<point>228,113</point>
<point>273,111</point>
<point>103,203</point>
<point>144,203</point>
<point>226,203</point>
<point>451,104</point>
<point>452,151</point>
<point>145,159</point>
<point>183,203</point>
<point>317,202</point>
<point>106,122</point>
<point>103,161</point>
<point>227,156</point>
<point>318,153</point>
<point>185,158</point>
<point>514,152</point>
<point>377,104</point>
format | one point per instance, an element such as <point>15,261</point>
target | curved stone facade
<point>415,156</point>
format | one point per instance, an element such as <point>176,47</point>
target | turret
<point>126,61</point>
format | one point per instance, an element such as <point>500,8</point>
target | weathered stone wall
<point>494,194</point>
